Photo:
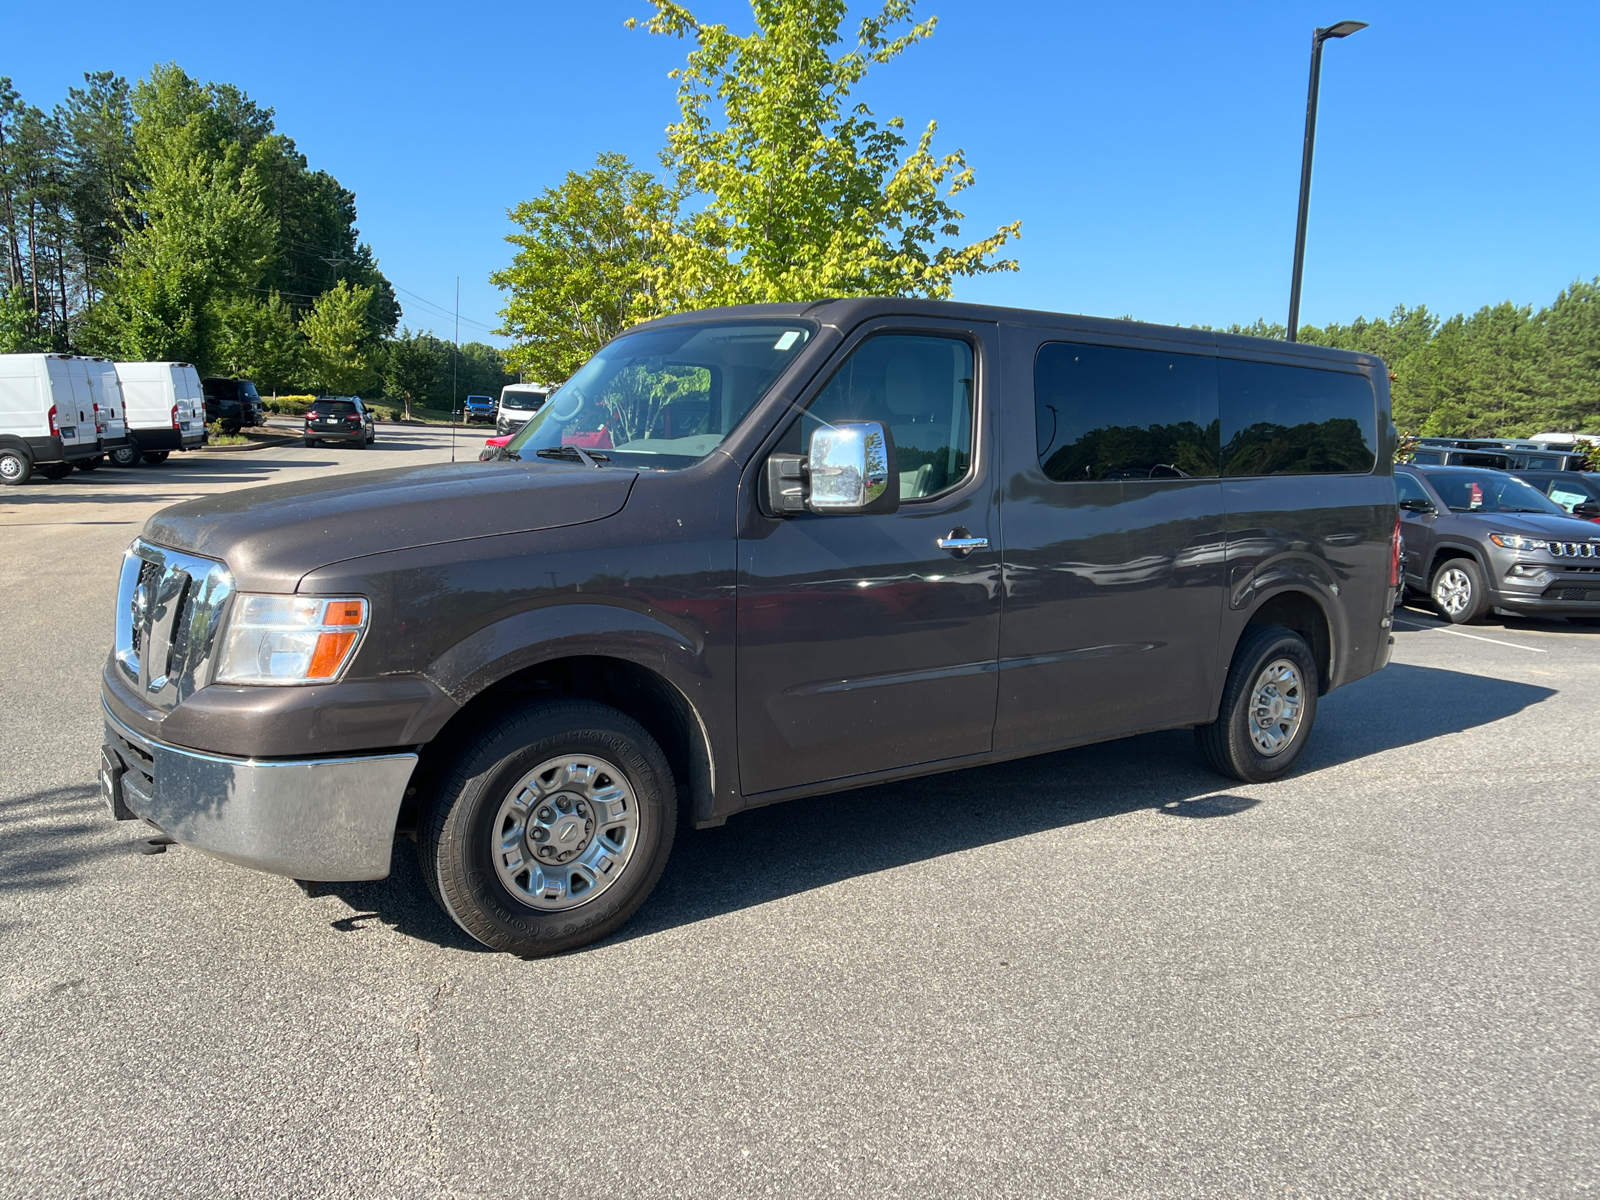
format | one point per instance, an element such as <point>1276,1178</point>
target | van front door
<point>863,646</point>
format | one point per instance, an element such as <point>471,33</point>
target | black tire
<point>156,457</point>
<point>15,466</point>
<point>455,835</point>
<point>90,464</point>
<point>126,456</point>
<point>1457,591</point>
<point>361,442</point>
<point>231,427</point>
<point>55,471</point>
<point>310,442</point>
<point>1229,743</point>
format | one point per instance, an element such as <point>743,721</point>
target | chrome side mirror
<point>852,469</point>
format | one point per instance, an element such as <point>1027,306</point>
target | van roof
<point>845,314</point>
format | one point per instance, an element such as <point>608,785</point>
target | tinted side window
<point>1106,412</point>
<point>1283,420</point>
<point>920,386</point>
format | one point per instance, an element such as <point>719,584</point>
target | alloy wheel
<point>1453,591</point>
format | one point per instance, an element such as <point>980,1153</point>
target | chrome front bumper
<point>324,819</point>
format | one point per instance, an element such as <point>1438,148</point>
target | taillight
<point>175,416</point>
<point>1394,555</point>
<point>54,430</point>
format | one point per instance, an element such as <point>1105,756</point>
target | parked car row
<point>64,411</point>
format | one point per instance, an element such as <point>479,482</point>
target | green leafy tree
<point>260,342</point>
<point>413,366</point>
<point>582,268</point>
<point>806,194</point>
<point>340,355</point>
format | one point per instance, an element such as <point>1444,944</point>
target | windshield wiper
<point>575,454</point>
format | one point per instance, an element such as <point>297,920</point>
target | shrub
<point>288,406</point>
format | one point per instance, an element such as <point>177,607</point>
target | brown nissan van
<point>746,555</point>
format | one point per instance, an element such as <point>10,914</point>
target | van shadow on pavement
<point>769,853</point>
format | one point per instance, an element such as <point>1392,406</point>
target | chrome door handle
<point>954,542</point>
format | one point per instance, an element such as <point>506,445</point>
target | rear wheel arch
<point>1304,614</point>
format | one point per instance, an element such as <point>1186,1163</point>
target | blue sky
<point>1151,150</point>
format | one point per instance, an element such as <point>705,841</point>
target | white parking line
<point>1473,636</point>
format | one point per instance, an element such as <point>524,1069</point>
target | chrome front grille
<point>169,606</point>
<point>1575,549</point>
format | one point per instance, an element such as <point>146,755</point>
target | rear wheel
<point>156,457</point>
<point>549,830</point>
<point>310,442</point>
<point>126,456</point>
<point>15,466</point>
<point>231,427</point>
<point>1268,706</point>
<point>1458,592</point>
<point>55,470</point>
<point>90,464</point>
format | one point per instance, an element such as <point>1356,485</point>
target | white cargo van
<point>165,411</point>
<point>109,412</point>
<point>47,415</point>
<point>518,402</point>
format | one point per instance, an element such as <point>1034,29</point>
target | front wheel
<point>549,830</point>
<point>1458,592</point>
<point>15,466</point>
<point>156,457</point>
<point>90,464</point>
<point>55,471</point>
<point>1268,706</point>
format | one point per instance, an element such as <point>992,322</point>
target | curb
<point>264,444</point>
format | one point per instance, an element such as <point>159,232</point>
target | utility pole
<point>455,363</point>
<point>1342,30</point>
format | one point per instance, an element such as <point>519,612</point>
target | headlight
<point>290,639</point>
<point>1515,541</point>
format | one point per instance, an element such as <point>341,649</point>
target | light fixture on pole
<point>1342,30</point>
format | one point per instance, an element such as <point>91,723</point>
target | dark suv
<point>745,555</point>
<point>340,419</point>
<point>234,402</point>
<point>1576,491</point>
<point>1475,539</point>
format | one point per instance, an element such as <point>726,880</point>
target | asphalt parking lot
<point>1101,973</point>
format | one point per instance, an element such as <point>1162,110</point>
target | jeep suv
<point>1475,539</point>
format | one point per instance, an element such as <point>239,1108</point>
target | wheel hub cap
<point>1276,706</point>
<point>565,832</point>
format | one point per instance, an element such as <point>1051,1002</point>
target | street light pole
<point>1318,36</point>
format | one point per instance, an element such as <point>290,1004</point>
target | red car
<point>491,447</point>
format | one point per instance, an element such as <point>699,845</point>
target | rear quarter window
<point>1288,420</point>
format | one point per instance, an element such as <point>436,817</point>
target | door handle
<point>959,541</point>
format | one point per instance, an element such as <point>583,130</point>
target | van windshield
<point>664,398</point>
<point>521,401</point>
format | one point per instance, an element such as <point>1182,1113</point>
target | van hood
<point>272,536</point>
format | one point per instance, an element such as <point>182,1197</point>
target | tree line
<point>171,220</point>
<point>1506,370</point>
